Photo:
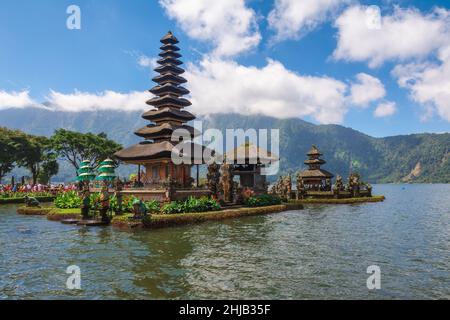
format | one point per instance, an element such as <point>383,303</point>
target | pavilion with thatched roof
<point>248,162</point>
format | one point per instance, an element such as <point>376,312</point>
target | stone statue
<point>31,202</point>
<point>288,180</point>
<point>227,182</point>
<point>104,204</point>
<point>85,205</point>
<point>300,187</point>
<point>369,189</point>
<point>139,209</point>
<point>338,185</point>
<point>354,184</point>
<point>213,177</point>
<point>169,184</point>
<point>119,196</point>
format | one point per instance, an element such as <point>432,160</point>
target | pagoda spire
<point>314,162</point>
<point>168,100</point>
<point>166,116</point>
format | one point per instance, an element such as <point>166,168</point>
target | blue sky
<point>41,60</point>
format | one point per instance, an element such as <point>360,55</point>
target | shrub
<point>263,200</point>
<point>203,204</point>
<point>68,200</point>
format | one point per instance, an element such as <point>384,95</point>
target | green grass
<point>22,200</point>
<point>170,220</point>
<point>340,201</point>
<point>56,211</point>
<point>33,211</point>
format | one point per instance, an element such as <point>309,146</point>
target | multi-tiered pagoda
<point>315,177</point>
<point>154,153</point>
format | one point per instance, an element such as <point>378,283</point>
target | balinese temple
<point>168,114</point>
<point>249,160</point>
<point>315,177</point>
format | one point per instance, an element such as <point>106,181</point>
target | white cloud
<point>429,83</point>
<point>219,86</point>
<point>107,100</point>
<point>366,90</point>
<point>385,109</point>
<point>228,24</point>
<point>293,18</point>
<point>15,99</point>
<point>147,62</point>
<point>405,34</point>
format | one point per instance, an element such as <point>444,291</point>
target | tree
<point>49,169</point>
<point>37,155</point>
<point>8,151</point>
<point>75,147</point>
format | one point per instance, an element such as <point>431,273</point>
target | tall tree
<point>76,147</point>
<point>37,155</point>
<point>8,151</point>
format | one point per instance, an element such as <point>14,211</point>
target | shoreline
<point>159,221</point>
<point>22,200</point>
<point>171,220</point>
<point>340,201</point>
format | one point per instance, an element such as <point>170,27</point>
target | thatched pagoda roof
<point>169,100</point>
<point>251,153</point>
<point>169,60</point>
<point>169,78</point>
<point>166,129</point>
<point>170,53</point>
<point>169,88</point>
<point>318,173</point>
<point>169,38</point>
<point>150,151</point>
<point>167,112</point>
<point>315,161</point>
<point>166,68</point>
<point>314,151</point>
<point>169,47</point>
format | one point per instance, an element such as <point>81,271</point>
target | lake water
<point>321,252</point>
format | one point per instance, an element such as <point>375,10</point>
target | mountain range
<point>408,158</point>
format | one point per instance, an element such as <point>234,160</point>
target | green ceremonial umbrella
<point>85,172</point>
<point>106,171</point>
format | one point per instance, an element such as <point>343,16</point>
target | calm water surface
<point>321,252</point>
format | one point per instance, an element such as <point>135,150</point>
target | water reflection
<point>320,252</point>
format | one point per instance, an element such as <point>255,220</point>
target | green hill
<point>410,158</point>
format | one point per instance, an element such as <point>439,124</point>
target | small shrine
<point>315,178</point>
<point>316,183</point>
<point>249,161</point>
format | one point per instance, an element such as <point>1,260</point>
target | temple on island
<point>316,178</point>
<point>154,153</point>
